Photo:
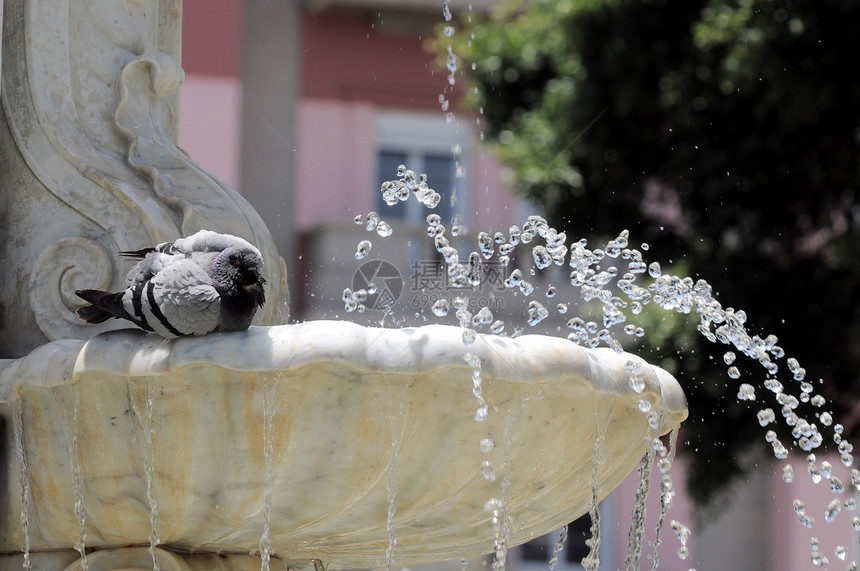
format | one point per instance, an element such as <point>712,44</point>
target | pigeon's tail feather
<point>104,305</point>
<point>93,314</point>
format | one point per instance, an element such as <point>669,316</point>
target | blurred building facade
<point>306,107</point>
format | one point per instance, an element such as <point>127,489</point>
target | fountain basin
<point>360,416</point>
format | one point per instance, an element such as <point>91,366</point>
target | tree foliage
<point>722,132</point>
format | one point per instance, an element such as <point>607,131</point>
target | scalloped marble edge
<point>528,358</point>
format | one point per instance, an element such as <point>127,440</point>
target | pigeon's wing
<point>153,263</point>
<point>208,241</point>
<point>179,300</point>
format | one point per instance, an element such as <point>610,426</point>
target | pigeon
<point>197,285</point>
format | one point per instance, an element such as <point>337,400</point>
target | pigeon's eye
<point>236,262</point>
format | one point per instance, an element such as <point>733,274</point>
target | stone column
<point>89,163</point>
<point>271,72</point>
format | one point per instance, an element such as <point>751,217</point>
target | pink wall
<point>210,109</point>
<point>335,162</point>
<point>212,37</point>
<point>210,100</point>
<point>354,58</point>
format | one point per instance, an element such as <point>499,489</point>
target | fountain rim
<point>530,358</point>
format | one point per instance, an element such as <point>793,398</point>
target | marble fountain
<point>307,444</point>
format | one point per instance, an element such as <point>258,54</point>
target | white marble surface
<point>355,410</point>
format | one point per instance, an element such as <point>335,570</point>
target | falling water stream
<point>71,426</point>
<point>23,480</point>
<point>667,493</point>
<point>391,484</point>
<point>269,394</point>
<point>149,467</point>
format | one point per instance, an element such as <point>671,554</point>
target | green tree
<point>722,132</point>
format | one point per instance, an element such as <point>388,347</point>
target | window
<point>423,142</point>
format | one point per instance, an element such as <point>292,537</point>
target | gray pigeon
<point>193,286</point>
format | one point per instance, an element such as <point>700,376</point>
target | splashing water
<point>617,279</point>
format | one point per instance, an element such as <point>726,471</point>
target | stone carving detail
<point>88,154</point>
<point>64,266</point>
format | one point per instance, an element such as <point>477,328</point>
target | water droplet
<point>550,290</point>
<point>440,307</point>
<point>487,471</point>
<point>514,279</point>
<point>561,308</point>
<point>766,416</point>
<point>362,249</point>
<point>481,414</point>
<point>383,229</point>
<point>787,474</point>
<point>799,507</point>
<point>536,312</point>
<point>359,219</point>
<point>637,382</point>
<point>729,357</point>
<point>654,270</point>
<point>372,220</point>
<point>497,327</point>
<point>541,257</point>
<point>832,510</point>
<point>746,391</point>
<point>493,504</point>
<point>486,245</point>
<point>469,336</point>
<point>483,317</point>
<point>487,445</point>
